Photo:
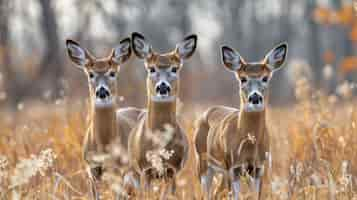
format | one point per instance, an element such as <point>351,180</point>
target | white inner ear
<point>185,47</point>
<point>232,58</point>
<point>120,51</point>
<point>142,47</point>
<point>77,52</point>
<point>276,56</point>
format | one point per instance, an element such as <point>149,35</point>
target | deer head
<point>254,77</point>
<point>101,72</point>
<point>163,69</point>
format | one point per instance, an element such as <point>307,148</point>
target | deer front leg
<point>170,183</point>
<point>234,175</point>
<point>94,171</point>
<point>131,182</point>
<point>206,182</point>
<point>145,182</point>
<point>169,188</point>
<point>94,174</point>
<point>257,180</point>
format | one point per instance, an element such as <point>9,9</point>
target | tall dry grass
<point>314,146</point>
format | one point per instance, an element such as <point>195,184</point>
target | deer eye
<point>112,74</point>
<point>243,79</point>
<point>174,70</point>
<point>265,79</point>
<point>91,75</point>
<point>152,70</point>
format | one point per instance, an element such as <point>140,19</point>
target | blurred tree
<point>4,32</point>
<point>52,60</point>
<point>5,49</point>
<point>342,20</point>
<point>313,42</point>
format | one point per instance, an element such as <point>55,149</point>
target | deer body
<point>109,126</point>
<point>159,131</point>
<point>239,125</point>
<point>236,141</point>
<point>159,117</point>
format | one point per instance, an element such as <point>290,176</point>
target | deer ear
<point>231,59</point>
<point>122,52</point>
<point>141,48</point>
<point>77,54</point>
<point>276,57</point>
<point>187,47</point>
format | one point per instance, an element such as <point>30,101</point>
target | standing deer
<point>232,141</point>
<point>149,136</point>
<point>108,124</point>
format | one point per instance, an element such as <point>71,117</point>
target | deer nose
<point>163,88</point>
<point>102,93</point>
<point>255,98</point>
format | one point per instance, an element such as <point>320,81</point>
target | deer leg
<point>145,181</point>
<point>94,174</point>
<point>131,181</point>
<point>260,189</point>
<point>130,184</point>
<point>236,189</point>
<point>94,191</point>
<point>222,185</point>
<point>169,188</point>
<point>257,180</point>
<point>261,175</point>
<point>234,175</point>
<point>206,182</point>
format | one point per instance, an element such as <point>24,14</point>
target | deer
<point>150,135</point>
<point>235,142</point>
<point>108,124</point>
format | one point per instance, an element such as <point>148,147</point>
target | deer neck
<point>161,114</point>
<point>103,124</point>
<point>252,123</point>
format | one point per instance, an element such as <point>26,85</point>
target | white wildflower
<point>20,106</point>
<point>346,179</point>
<point>277,187</point>
<point>345,90</point>
<point>342,141</point>
<point>3,171</point>
<point>327,72</point>
<point>3,96</point>
<point>30,167</point>
<point>157,158</point>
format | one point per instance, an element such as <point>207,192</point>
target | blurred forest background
<point>43,96</point>
<point>322,37</point>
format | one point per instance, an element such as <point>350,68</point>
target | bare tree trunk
<point>51,65</point>
<point>343,39</point>
<point>5,57</point>
<point>314,43</point>
<point>4,34</point>
<point>280,91</point>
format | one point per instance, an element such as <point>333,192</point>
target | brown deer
<point>235,142</point>
<point>108,124</point>
<point>149,136</point>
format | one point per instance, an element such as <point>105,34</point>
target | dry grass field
<point>311,118</point>
<point>314,148</point>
